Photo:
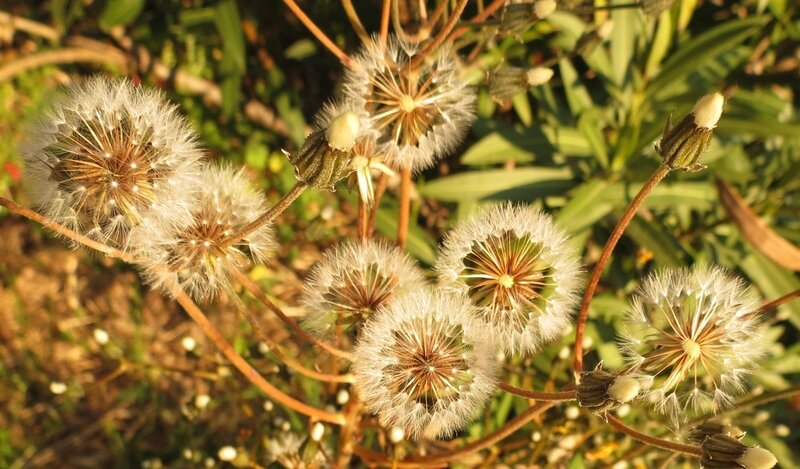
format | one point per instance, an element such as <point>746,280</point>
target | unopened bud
<point>317,431</point>
<point>624,389</point>
<point>343,131</point>
<point>543,8</point>
<point>600,391</point>
<point>516,18</point>
<point>705,430</point>
<point>538,76</point>
<point>720,451</point>
<point>396,435</point>
<point>682,146</point>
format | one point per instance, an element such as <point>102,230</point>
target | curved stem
<point>321,37</point>
<point>268,216</point>
<point>64,231</point>
<point>437,13</point>
<point>623,222</point>
<point>448,457</point>
<point>260,296</point>
<point>441,36</point>
<point>385,14</point>
<point>558,396</point>
<point>380,188</point>
<point>355,21</point>
<point>653,441</point>
<point>241,364</point>
<point>778,302</point>
<point>494,6</point>
<point>405,207</point>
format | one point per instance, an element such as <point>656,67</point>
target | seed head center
<point>407,103</point>
<point>692,349</point>
<point>506,281</point>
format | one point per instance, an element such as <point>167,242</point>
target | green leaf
<point>418,243</point>
<point>591,128</point>
<point>773,281</point>
<point>757,127</point>
<point>120,12</point>
<point>301,49</point>
<point>229,26</point>
<point>522,105</point>
<point>660,44</point>
<point>577,96</point>
<point>475,185</point>
<point>653,237</point>
<point>622,43</point>
<point>498,148</point>
<point>584,207</point>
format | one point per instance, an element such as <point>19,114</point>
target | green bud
<point>325,155</point>
<point>723,452</point>
<point>599,391</point>
<point>682,146</point>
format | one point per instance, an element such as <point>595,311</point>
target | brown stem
<point>494,6</point>
<point>257,324</point>
<point>321,37</point>
<point>380,188</point>
<point>441,36</point>
<point>241,364</point>
<point>17,23</point>
<point>653,441</point>
<point>64,231</point>
<point>434,18</point>
<point>623,222</point>
<point>355,21</point>
<point>778,302</point>
<point>558,396</point>
<point>251,287</point>
<point>268,216</point>
<point>385,13</point>
<point>347,437</point>
<point>405,207</point>
<point>362,219</point>
<point>450,456</point>
<point>59,56</point>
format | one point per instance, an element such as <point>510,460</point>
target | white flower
<point>690,332</point>
<point>197,254</point>
<point>353,280</point>
<point>708,110</point>
<point>517,269</point>
<point>421,113</point>
<point>107,152</point>
<point>423,364</point>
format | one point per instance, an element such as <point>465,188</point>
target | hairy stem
<point>64,231</point>
<point>653,441</point>
<point>558,396</point>
<point>241,364</point>
<point>251,287</point>
<point>268,216</point>
<point>623,222</point>
<point>405,207</point>
<point>321,37</point>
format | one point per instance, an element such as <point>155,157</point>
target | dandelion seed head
<point>422,364</point>
<point>197,255</point>
<point>355,279</point>
<point>515,266</point>
<point>420,113</point>
<point>689,330</point>
<point>96,158</point>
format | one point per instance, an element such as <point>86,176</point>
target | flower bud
<point>516,18</point>
<point>600,391</point>
<point>720,451</point>
<point>320,164</point>
<point>317,431</point>
<point>343,131</point>
<point>682,146</point>
<point>705,430</point>
<point>507,82</point>
<point>538,76</point>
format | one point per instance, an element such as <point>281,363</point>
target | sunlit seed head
<point>689,330</point>
<point>423,365</point>
<point>95,159</point>
<point>421,113</point>
<point>517,269</point>
<point>198,255</point>
<point>353,281</point>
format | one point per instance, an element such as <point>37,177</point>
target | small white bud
<point>708,110</point>
<point>343,131</point>
<point>604,31</point>
<point>201,401</point>
<point>538,76</point>
<point>268,406</point>
<point>227,453</point>
<point>57,387</point>
<point>782,430</point>
<point>317,431</point>
<point>263,348</point>
<point>564,353</point>
<point>572,412</point>
<point>624,389</point>
<point>188,343</point>
<point>757,458</point>
<point>101,336</point>
<point>536,436</point>
<point>543,8</point>
<point>396,435</point>
<point>342,397</point>
<point>623,410</point>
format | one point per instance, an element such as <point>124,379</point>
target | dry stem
<point>405,207</point>
<point>653,441</point>
<point>321,37</point>
<point>268,216</point>
<point>558,396</point>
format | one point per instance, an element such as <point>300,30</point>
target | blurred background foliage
<point>250,78</point>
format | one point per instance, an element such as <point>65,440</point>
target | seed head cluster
<point>692,334</point>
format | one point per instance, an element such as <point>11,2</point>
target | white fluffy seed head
<point>707,110</point>
<point>421,113</point>
<point>757,458</point>
<point>423,364</point>
<point>196,255</point>
<point>690,333</point>
<point>355,279</point>
<point>515,266</point>
<point>538,76</point>
<point>106,154</point>
<point>624,389</point>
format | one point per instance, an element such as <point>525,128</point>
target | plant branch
<point>321,37</point>
<point>441,36</point>
<point>64,231</point>
<point>251,287</point>
<point>405,207</point>
<point>558,396</point>
<point>623,222</point>
<point>653,441</point>
<point>778,302</point>
<point>480,17</point>
<point>355,21</point>
<point>59,56</point>
<point>268,216</point>
<point>241,364</point>
<point>385,14</point>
